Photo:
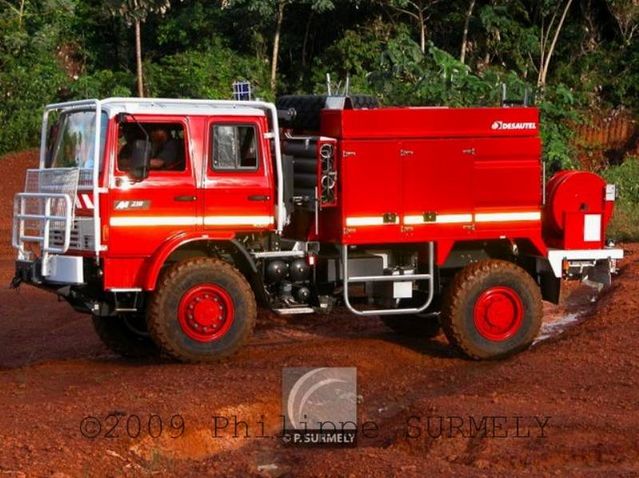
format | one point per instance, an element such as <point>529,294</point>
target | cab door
<point>238,181</point>
<point>143,214</point>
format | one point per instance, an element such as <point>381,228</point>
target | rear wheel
<point>202,310</point>
<point>125,335</point>
<point>493,309</point>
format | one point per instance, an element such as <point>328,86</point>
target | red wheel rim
<point>498,313</point>
<point>206,312</point>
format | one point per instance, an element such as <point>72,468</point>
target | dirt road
<point>567,407</point>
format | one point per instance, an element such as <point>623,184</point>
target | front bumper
<point>28,272</point>
<point>62,270</point>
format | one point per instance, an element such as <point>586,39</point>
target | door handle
<point>259,197</point>
<point>185,198</point>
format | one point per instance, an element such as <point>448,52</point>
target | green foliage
<point>206,74</point>
<point>102,84</point>
<point>355,55</point>
<point>509,34</point>
<point>625,222</point>
<point>557,113</point>
<point>54,50</point>
<point>405,76</point>
<point>267,8</point>
<point>137,10</point>
<point>30,74</point>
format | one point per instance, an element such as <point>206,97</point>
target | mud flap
<point>550,287</point>
<point>598,276</point>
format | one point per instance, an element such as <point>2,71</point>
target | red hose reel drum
<point>578,209</point>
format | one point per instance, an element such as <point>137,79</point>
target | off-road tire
<point>123,338</point>
<point>458,307</point>
<point>308,108</point>
<point>162,314</point>
<point>419,326</point>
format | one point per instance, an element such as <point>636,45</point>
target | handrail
<point>18,234</point>
<point>430,277</point>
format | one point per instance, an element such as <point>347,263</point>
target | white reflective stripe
<point>454,218</point>
<point>508,216</point>
<point>146,221</point>
<point>440,219</point>
<point>238,220</point>
<point>369,221</point>
<point>88,203</point>
<point>464,218</point>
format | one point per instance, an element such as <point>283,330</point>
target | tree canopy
<point>575,56</point>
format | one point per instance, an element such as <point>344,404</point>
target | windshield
<point>72,140</point>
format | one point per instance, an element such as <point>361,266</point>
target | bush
<point>625,221</point>
<point>102,84</point>
<point>206,74</point>
<point>30,75</point>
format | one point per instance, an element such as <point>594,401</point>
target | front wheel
<point>126,335</point>
<point>493,309</point>
<point>202,310</point>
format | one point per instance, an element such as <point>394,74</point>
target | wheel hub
<point>206,312</point>
<point>498,313</point>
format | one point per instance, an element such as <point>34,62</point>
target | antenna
<point>525,101</point>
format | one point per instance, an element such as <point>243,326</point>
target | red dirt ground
<point>54,373</point>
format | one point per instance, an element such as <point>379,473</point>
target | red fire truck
<point>169,220</point>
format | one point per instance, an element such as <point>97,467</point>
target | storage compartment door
<point>371,190</point>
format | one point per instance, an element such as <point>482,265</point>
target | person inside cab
<point>167,146</point>
<point>166,151</point>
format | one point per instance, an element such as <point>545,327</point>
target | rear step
<point>295,311</point>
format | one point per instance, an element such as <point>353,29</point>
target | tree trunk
<point>422,32</point>
<point>138,58</point>
<point>21,14</point>
<point>543,71</point>
<point>307,32</point>
<point>276,44</point>
<point>469,14</point>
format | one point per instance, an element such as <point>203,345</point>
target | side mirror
<point>140,159</point>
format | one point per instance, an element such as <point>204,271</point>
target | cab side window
<point>234,147</point>
<point>167,145</point>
